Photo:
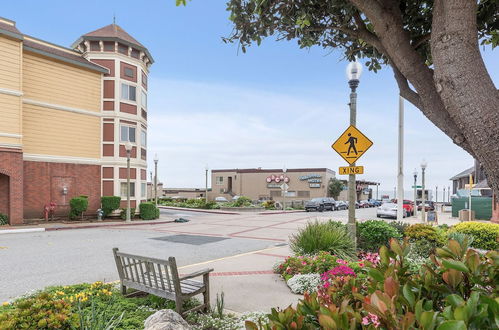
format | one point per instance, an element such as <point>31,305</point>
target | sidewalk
<point>247,280</point>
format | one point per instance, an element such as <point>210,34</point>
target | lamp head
<point>128,146</point>
<point>156,158</point>
<point>354,70</point>
<point>415,173</point>
<point>206,167</point>
<point>284,169</point>
<point>424,164</point>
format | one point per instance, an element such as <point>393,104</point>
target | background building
<point>264,184</point>
<point>65,115</point>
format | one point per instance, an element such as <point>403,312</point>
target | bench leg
<point>123,289</point>
<point>206,293</point>
<point>178,304</point>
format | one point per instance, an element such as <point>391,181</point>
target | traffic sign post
<point>351,170</point>
<point>352,144</point>
<point>417,187</point>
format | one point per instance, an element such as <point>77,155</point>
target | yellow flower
<point>5,303</point>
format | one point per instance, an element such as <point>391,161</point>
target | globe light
<point>424,164</point>
<point>128,146</point>
<point>354,70</point>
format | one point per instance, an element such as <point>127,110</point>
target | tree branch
<point>421,40</point>
<point>405,90</point>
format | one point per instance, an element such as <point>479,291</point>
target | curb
<point>281,212</point>
<point>24,230</point>
<point>195,210</point>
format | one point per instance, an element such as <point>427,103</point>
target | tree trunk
<point>465,87</point>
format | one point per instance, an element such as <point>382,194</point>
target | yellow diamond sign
<point>352,144</point>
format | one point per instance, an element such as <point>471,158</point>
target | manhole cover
<point>190,239</point>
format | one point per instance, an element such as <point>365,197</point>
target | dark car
<point>341,205</point>
<point>320,204</point>
<point>364,204</point>
<point>374,202</point>
<point>429,206</point>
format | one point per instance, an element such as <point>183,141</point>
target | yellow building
<point>65,115</point>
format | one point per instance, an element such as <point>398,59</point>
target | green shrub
<point>373,234</point>
<point>485,235</point>
<point>123,213</point>
<point>421,231</point>
<point>40,312</point>
<point>109,204</point>
<point>326,236</point>
<point>4,219</point>
<point>78,205</point>
<point>400,226</point>
<point>269,205</point>
<point>148,211</point>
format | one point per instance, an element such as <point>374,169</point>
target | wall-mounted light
<point>65,190</point>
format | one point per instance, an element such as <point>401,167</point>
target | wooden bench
<point>161,278</point>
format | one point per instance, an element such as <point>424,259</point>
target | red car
<point>408,206</point>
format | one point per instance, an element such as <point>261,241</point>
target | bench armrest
<point>196,274</point>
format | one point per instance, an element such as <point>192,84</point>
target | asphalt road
<point>32,261</point>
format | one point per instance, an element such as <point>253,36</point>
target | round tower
<point>124,108</point>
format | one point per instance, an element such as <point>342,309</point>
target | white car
<point>389,210</point>
<point>220,199</point>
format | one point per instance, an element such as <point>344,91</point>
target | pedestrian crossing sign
<point>352,144</point>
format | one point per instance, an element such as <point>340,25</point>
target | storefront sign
<point>277,178</point>
<point>314,185</point>
<point>310,176</point>
<point>315,180</point>
<point>273,185</point>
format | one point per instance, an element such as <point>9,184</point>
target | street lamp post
<point>436,194</point>
<point>206,168</point>
<point>354,70</point>
<point>423,209</point>
<point>285,191</point>
<point>128,148</point>
<point>156,179</point>
<point>415,192</point>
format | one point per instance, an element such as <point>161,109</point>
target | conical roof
<point>113,31</point>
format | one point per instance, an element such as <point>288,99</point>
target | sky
<point>277,105</point>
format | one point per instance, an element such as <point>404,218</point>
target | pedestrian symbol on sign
<point>352,140</point>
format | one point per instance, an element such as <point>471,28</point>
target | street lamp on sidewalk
<point>206,168</point>
<point>415,192</point>
<point>285,190</point>
<point>354,70</point>
<point>156,179</point>
<point>424,164</point>
<point>128,148</point>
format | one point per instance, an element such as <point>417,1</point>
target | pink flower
<point>361,264</point>
<point>304,263</point>
<point>371,318</point>
<point>341,261</point>
<point>365,320</point>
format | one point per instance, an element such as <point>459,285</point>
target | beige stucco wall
<point>10,82</point>
<point>255,186</point>
<point>54,82</point>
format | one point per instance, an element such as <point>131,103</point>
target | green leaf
<point>427,319</point>
<point>452,325</point>
<point>376,274</point>
<point>455,264</point>
<point>455,300</point>
<point>408,295</point>
<point>326,321</point>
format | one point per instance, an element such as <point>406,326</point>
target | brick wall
<point>44,182</point>
<point>11,184</point>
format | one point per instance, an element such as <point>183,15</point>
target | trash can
<point>464,215</point>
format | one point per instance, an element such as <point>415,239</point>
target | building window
<point>128,92</point>
<point>129,72</point>
<point>219,180</point>
<point>127,133</point>
<point>143,189</point>
<point>143,100</point>
<point>124,189</point>
<point>143,138</point>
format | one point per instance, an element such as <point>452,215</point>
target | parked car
<point>221,199</point>
<point>320,204</point>
<point>374,202</point>
<point>408,206</point>
<point>429,206</point>
<point>341,205</point>
<point>364,204</point>
<point>389,210</point>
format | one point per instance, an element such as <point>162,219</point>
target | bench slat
<point>136,257</point>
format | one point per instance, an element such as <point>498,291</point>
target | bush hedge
<point>485,235</point>
<point>109,204</point>
<point>4,219</point>
<point>373,234</point>
<point>78,205</point>
<point>328,236</point>
<point>148,211</point>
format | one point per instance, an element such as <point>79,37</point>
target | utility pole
<point>400,174</point>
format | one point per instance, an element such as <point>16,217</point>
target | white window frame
<point>123,188</point>
<point>143,189</point>
<point>219,180</point>
<point>125,92</point>
<point>127,137</point>
<point>143,138</point>
<point>143,99</point>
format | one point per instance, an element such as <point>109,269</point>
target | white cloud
<point>226,126</point>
